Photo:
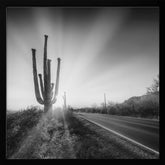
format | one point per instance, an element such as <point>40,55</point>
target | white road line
<point>123,136</point>
<point>131,122</point>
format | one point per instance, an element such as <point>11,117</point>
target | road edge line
<point>129,139</point>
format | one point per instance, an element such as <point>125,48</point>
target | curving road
<point>143,131</point>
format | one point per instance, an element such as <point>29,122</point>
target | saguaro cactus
<point>46,97</point>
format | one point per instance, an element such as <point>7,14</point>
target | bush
<point>18,124</point>
<point>142,106</point>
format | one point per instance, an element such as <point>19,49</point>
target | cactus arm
<point>57,82</point>
<point>41,85</point>
<point>54,100</point>
<point>57,77</point>
<point>52,86</point>
<point>37,92</point>
<point>49,73</point>
<point>51,94</point>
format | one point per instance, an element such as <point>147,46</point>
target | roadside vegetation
<point>17,126</point>
<point>146,106</point>
<point>31,134</point>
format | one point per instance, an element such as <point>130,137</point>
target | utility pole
<point>104,101</point>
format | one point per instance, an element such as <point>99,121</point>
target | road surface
<point>143,131</point>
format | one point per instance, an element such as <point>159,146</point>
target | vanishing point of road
<point>142,131</point>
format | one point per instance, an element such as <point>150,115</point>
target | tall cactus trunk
<point>48,107</point>
<point>46,95</point>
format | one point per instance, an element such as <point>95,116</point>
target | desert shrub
<point>149,105</point>
<point>142,106</point>
<point>94,110</point>
<point>88,145</point>
<point>112,110</point>
<point>18,124</point>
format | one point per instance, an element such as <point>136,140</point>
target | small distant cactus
<point>46,86</point>
<point>64,97</point>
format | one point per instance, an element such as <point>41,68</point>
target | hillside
<point>152,97</point>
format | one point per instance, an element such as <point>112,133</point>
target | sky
<point>111,50</point>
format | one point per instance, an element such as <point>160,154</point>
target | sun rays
<point>91,64</point>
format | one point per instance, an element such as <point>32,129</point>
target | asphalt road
<point>143,131</point>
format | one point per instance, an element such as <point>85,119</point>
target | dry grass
<point>62,135</point>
